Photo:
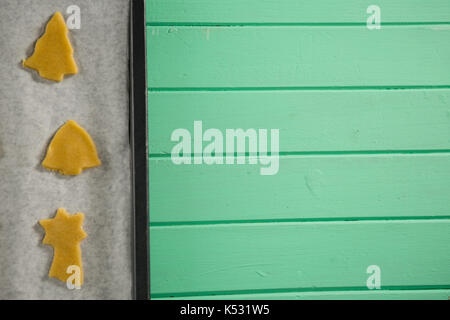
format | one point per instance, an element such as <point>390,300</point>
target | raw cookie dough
<point>64,233</point>
<point>71,150</point>
<point>53,54</point>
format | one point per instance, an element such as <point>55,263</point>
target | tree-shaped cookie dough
<point>71,150</point>
<point>64,233</point>
<point>53,54</point>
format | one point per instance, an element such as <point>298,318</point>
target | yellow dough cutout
<point>53,54</point>
<point>71,150</point>
<point>64,233</point>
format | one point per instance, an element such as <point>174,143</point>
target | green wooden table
<point>364,170</point>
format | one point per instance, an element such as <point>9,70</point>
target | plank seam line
<point>298,88</point>
<point>288,24</point>
<point>294,220</point>
<point>322,153</point>
<point>297,290</point>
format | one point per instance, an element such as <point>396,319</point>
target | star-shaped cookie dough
<point>64,233</point>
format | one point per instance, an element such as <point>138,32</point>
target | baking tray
<point>108,98</point>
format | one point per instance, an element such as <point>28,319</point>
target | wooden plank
<point>293,56</point>
<point>332,120</point>
<point>330,295</point>
<point>293,11</point>
<point>309,187</point>
<point>264,256</point>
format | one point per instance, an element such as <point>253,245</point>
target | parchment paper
<point>31,111</point>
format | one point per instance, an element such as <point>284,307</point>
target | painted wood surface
<point>293,11</point>
<point>331,120</point>
<point>241,257</point>
<point>315,187</point>
<point>234,57</point>
<point>329,295</point>
<point>364,170</point>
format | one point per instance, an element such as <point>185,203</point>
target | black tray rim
<point>139,147</point>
